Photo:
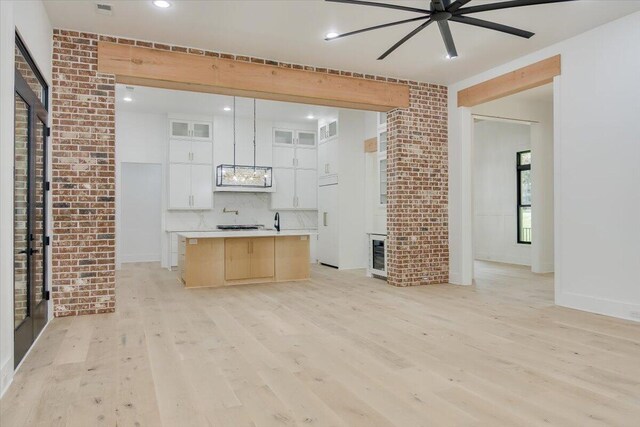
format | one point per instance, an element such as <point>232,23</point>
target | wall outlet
<point>634,315</point>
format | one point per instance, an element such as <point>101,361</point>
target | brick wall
<point>417,206</point>
<point>84,175</point>
<point>83,178</point>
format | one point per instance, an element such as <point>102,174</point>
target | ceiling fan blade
<point>385,5</point>
<point>445,31</point>
<point>404,21</point>
<point>405,38</point>
<point>505,5</point>
<point>492,26</point>
<point>439,5</point>
<point>457,5</point>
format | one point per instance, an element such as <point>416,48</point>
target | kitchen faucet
<point>276,225</point>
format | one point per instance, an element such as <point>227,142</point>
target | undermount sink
<point>240,227</point>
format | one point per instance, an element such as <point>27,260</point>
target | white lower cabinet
<point>190,186</point>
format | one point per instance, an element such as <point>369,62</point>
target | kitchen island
<point>224,258</point>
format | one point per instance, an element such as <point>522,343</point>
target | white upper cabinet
<point>179,151</point>
<point>306,159</point>
<point>201,152</point>
<point>190,180</point>
<point>187,129</point>
<point>285,194</point>
<point>283,156</point>
<point>201,130</point>
<point>328,131</point>
<point>201,187</point>
<point>306,189</point>
<point>283,137</point>
<point>305,139</point>
<point>179,129</point>
<point>294,174</point>
<point>179,186</point>
<point>328,158</point>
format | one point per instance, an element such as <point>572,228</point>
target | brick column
<point>417,206</point>
<point>83,178</point>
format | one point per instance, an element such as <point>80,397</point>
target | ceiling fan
<point>443,11</point>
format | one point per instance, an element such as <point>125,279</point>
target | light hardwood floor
<point>339,350</point>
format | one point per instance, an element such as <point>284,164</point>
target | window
<point>524,196</point>
<point>382,163</point>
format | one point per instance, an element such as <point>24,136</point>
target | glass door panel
<point>20,217</point>
<point>39,209</point>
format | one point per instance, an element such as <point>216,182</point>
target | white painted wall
<point>596,173</point>
<point>30,19</point>
<point>351,199</point>
<point>495,191</point>
<point>141,209</point>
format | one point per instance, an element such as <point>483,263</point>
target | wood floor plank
<point>338,350</point>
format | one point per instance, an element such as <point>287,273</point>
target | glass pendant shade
<point>244,176</point>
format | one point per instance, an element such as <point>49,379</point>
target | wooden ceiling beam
<point>176,70</point>
<point>519,80</point>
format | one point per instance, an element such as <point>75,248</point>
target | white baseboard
<point>544,268</point>
<point>6,376</point>
<point>502,259</point>
<point>455,278</point>
<point>621,310</point>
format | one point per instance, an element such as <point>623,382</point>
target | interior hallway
<point>340,350</point>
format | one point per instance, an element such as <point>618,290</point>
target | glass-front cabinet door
<point>283,136</point>
<point>201,130</point>
<point>306,139</point>
<point>180,129</point>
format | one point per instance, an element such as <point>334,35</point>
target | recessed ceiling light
<point>227,108</point>
<point>310,117</point>
<point>161,4</point>
<point>331,35</point>
<point>127,98</point>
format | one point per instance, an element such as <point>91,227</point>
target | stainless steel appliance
<point>377,255</point>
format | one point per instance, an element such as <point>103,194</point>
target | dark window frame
<point>36,71</point>
<point>519,205</point>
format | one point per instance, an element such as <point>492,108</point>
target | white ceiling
<point>164,101</point>
<point>293,31</point>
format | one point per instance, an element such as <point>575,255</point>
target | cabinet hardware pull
<point>324,218</point>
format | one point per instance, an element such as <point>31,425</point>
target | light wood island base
<point>228,261</point>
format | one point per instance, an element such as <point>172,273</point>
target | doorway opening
<point>512,185</point>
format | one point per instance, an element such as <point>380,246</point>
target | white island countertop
<point>244,233</point>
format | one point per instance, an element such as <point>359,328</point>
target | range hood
<point>237,177</point>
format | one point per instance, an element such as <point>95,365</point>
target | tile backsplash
<point>253,208</point>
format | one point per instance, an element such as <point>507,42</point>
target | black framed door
<point>30,203</point>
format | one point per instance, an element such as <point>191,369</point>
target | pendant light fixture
<point>242,175</point>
